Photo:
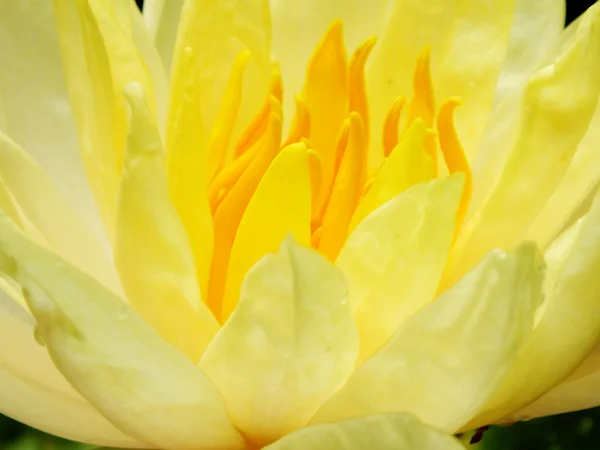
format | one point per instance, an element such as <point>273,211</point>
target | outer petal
<point>468,41</point>
<point>98,44</point>
<point>394,259</point>
<point>382,432</point>
<point>288,346</point>
<point>162,20</point>
<point>578,184</point>
<point>445,361</point>
<point>34,392</point>
<point>580,391</point>
<point>152,249</point>
<point>299,26</point>
<point>51,214</point>
<point>557,107</point>
<point>535,33</point>
<point>33,89</point>
<point>567,325</point>
<point>280,206</point>
<point>112,357</point>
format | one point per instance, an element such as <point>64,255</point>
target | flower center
<point>332,121</point>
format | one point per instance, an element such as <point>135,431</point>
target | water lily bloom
<point>290,225</point>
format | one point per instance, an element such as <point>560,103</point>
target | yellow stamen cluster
<point>332,123</point>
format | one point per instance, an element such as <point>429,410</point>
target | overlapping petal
<point>394,259</point>
<point>384,432</point>
<point>33,391</point>
<point>567,325</point>
<point>112,357</point>
<point>557,106</point>
<point>446,360</point>
<point>29,47</point>
<point>288,346</point>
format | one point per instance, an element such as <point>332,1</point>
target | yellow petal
<point>535,36</point>
<point>446,360</point>
<point>230,211</point>
<point>290,343</point>
<point>8,205</point>
<point>579,391</point>
<point>93,100</point>
<point>299,26</point>
<point>394,258</point>
<point>577,185</point>
<point>535,30</point>
<point>29,378</point>
<point>408,164</point>
<point>383,432</point>
<point>572,291</point>
<point>280,206</point>
<point>557,106</point>
<point>468,43</point>
<point>152,249</point>
<point>186,148</point>
<point>211,33</point>
<point>51,214</point>
<point>29,100</point>
<point>112,357</point>
<point>327,95</point>
<point>162,20</point>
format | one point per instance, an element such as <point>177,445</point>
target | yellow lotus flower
<point>272,247</point>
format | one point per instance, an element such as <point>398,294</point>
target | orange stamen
<point>218,143</point>
<point>347,190</point>
<point>300,128</point>
<point>258,125</point>
<point>454,154</point>
<point>422,102</point>
<point>391,126</point>
<point>358,92</point>
<point>327,98</point>
<point>231,209</point>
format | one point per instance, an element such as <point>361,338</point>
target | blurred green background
<point>575,431</point>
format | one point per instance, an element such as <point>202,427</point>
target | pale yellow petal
<point>579,182</point>
<point>445,361</point>
<point>408,164</point>
<point>98,43</point>
<point>34,392</point>
<point>299,26</point>
<point>567,324</point>
<point>527,51</point>
<point>112,357</point>
<point>288,346</point>
<point>162,20</point>
<point>280,206</point>
<point>395,258</point>
<point>94,104</point>
<point>535,31</point>
<point>468,41</point>
<point>152,249</point>
<point>382,432</point>
<point>557,106</point>
<point>210,35</point>
<point>9,206</point>
<point>32,91</point>
<point>580,391</point>
<point>43,205</point>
